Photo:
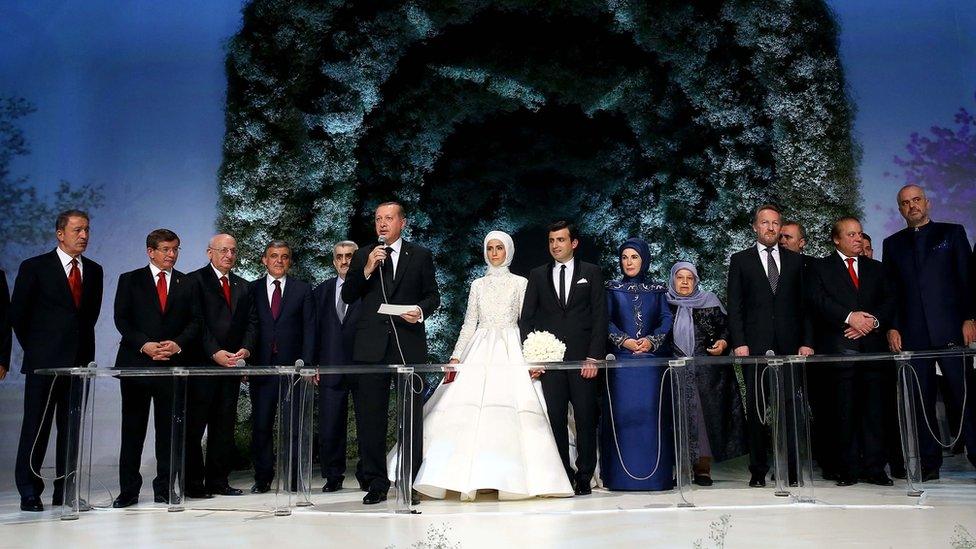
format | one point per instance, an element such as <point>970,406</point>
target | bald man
<point>228,334</point>
<point>929,265</point>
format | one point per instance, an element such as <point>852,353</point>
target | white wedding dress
<point>488,430</point>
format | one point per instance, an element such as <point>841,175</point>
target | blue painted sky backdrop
<point>130,96</point>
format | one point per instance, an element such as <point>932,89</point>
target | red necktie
<point>74,282</point>
<point>226,287</point>
<point>276,299</point>
<point>850,271</point>
<point>161,290</point>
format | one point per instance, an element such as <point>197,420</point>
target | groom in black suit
<point>566,297</point>
<point>400,273</point>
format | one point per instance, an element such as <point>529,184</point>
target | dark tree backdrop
<point>667,120</point>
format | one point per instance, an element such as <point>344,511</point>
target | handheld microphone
<point>382,240</point>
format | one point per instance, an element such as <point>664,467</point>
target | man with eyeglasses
<point>155,314</point>
<point>228,331</point>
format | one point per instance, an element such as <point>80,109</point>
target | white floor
<point>728,514</point>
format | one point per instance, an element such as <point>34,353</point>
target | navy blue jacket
<point>929,270</point>
<point>334,340</point>
<point>293,333</point>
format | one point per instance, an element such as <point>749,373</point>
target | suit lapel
<point>839,267</point>
<point>571,291</point>
<point>264,305</point>
<point>551,284</point>
<point>401,266</point>
<point>759,269</point>
<point>146,285</point>
<point>237,289</point>
<point>65,288</point>
<point>287,296</point>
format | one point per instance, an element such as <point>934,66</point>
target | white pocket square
<point>582,281</point>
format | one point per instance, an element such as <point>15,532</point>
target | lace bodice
<point>495,301</point>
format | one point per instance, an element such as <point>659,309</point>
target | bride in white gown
<point>487,429</point>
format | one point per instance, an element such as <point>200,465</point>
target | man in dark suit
<point>155,312</point>
<point>766,313</point>
<point>336,333</point>
<point>928,264</point>
<point>793,237</point>
<point>56,300</point>
<point>566,297</point>
<point>5,337</point>
<point>286,333</point>
<point>852,308</point>
<point>398,273</point>
<point>228,330</point>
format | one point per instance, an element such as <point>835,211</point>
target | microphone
<point>382,240</point>
<point>610,357</point>
<point>240,363</point>
<point>299,363</point>
<point>770,353</point>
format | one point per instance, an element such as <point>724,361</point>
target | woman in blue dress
<point>636,446</point>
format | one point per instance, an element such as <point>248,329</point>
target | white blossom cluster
<point>542,346</point>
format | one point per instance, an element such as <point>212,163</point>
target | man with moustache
<point>228,331</point>
<point>867,249</point>
<point>55,304</point>
<point>793,237</point>
<point>766,313</point>
<point>928,264</point>
<point>285,334</point>
<point>155,312</point>
<point>852,307</point>
<point>401,273</point>
<point>566,298</point>
<point>336,333</point>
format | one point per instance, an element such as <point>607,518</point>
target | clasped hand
<point>642,345</point>
<point>228,359</point>
<point>859,325</point>
<point>162,350</point>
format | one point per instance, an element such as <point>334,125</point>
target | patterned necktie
<point>772,271</point>
<point>225,286</point>
<point>276,299</point>
<point>74,282</point>
<point>562,285</point>
<point>853,273</point>
<point>161,290</point>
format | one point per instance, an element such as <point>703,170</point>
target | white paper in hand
<point>396,310</point>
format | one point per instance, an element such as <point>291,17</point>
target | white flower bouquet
<point>543,347</point>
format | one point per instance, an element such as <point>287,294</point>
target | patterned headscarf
<point>683,328</point>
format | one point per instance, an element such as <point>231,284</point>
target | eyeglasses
<point>224,251</point>
<point>165,250</point>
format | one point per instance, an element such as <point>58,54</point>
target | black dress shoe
<point>757,480</point>
<point>226,490</point>
<point>198,493</point>
<point>930,475</point>
<point>583,489</point>
<point>125,500</point>
<point>332,485</point>
<point>373,497</point>
<point>32,504</point>
<point>844,480</point>
<point>878,479</point>
<point>261,487</point>
<point>702,480</point>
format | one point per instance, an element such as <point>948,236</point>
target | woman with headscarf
<point>716,426</point>
<point>486,428</point>
<point>635,435</point>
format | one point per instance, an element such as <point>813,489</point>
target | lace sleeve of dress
<point>470,321</point>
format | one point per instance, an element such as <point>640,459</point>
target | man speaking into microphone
<point>393,272</point>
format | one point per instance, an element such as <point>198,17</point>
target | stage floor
<point>729,514</point>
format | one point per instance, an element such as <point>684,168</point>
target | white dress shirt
<point>763,256</point>
<point>66,263</point>
<point>155,276</point>
<point>557,266</point>
<point>269,283</point>
<point>858,273</point>
<point>220,274</point>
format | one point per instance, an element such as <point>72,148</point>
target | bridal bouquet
<point>543,347</point>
